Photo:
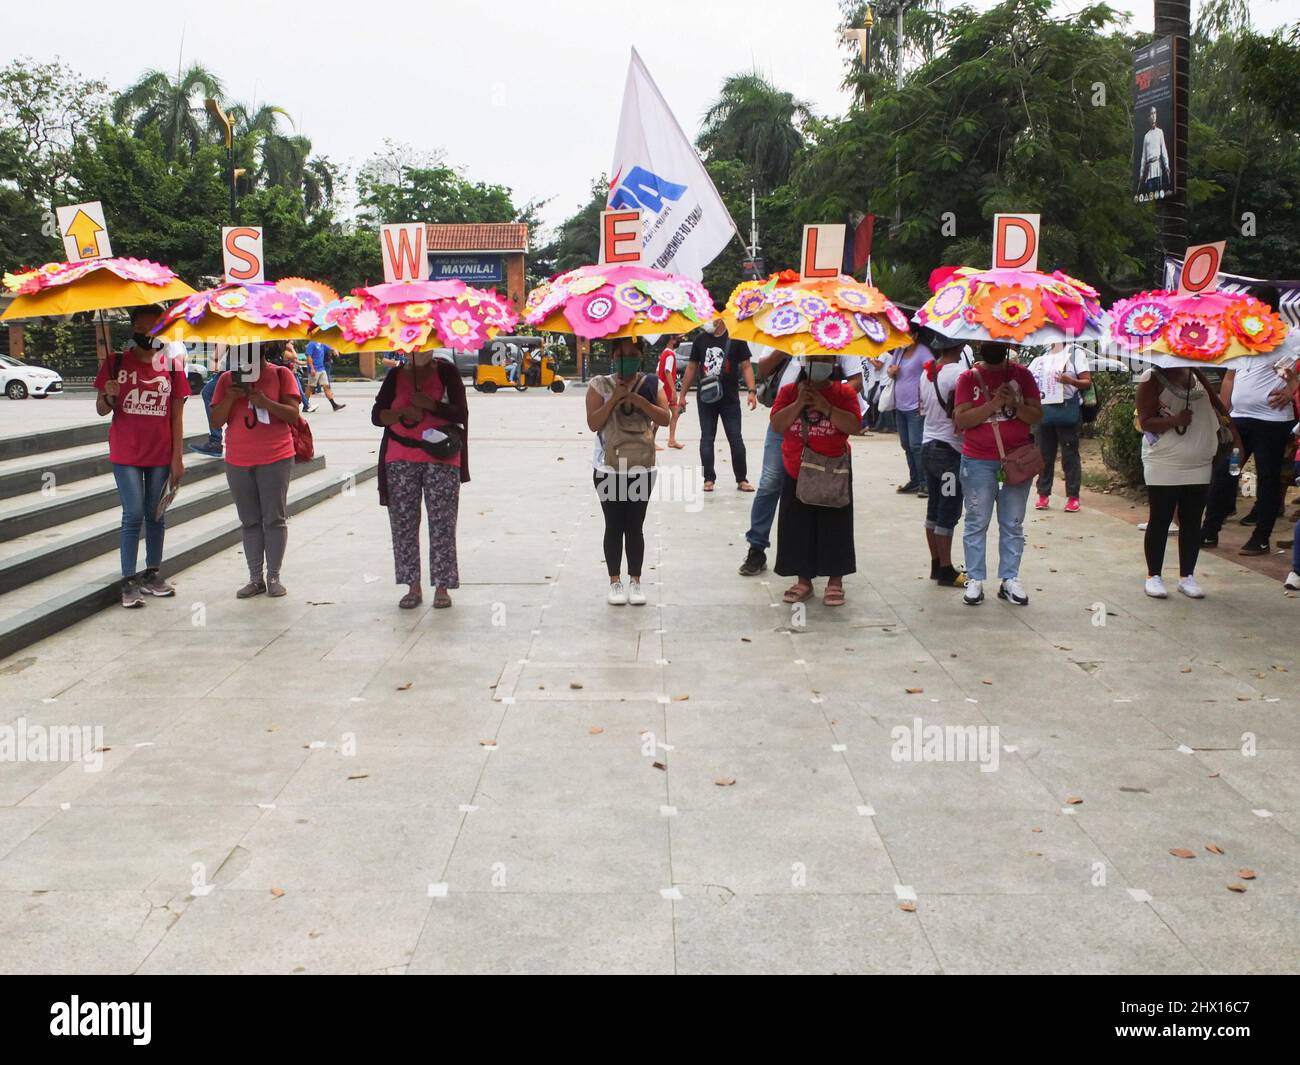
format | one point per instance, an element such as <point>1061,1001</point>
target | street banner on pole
<point>656,170</point>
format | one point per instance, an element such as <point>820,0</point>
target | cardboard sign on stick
<point>1015,241</point>
<point>1200,271</point>
<point>620,237</point>
<point>823,250</point>
<point>404,255</point>
<point>85,233</point>
<point>241,254</point>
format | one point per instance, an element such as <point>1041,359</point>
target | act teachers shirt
<point>976,387</point>
<point>150,382</point>
<point>823,437</point>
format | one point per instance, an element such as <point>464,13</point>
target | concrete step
<point>13,447</point>
<point>35,511</point>
<point>39,554</point>
<point>31,473</point>
<point>70,595</point>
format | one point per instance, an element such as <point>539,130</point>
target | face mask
<point>820,372</point>
<point>626,367</point>
<point>145,341</point>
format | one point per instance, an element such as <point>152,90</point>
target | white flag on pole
<point>656,169</point>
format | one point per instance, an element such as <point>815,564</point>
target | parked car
<point>19,380</point>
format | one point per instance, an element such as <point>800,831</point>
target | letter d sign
<point>1015,241</point>
<point>241,254</point>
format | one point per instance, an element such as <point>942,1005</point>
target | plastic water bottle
<point>1234,463</point>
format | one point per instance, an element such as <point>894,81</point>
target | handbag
<point>304,447</point>
<point>1021,465</point>
<point>1063,414</point>
<point>824,480</point>
<point>885,401</point>
<point>771,384</point>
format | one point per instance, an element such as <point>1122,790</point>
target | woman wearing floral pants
<point>427,394</point>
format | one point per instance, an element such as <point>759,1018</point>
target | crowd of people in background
<point>979,431</point>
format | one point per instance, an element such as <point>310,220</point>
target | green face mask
<point>626,367</point>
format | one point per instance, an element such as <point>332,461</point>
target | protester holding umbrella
<point>424,455</point>
<point>145,393</point>
<point>257,408</point>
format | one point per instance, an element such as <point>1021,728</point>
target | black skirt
<point>813,541</point>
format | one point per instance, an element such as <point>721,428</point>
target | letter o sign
<point>1201,267</point>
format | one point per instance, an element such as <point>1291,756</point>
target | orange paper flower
<point>1010,311</point>
<point>1254,325</point>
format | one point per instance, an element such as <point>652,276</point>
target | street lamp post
<point>224,120</point>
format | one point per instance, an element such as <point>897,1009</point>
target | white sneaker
<point>1142,526</point>
<point>1292,582</point>
<point>617,595</point>
<point>1155,587</point>
<point>634,594</point>
<point>974,594</point>
<point>1013,592</point>
<point>1190,588</point>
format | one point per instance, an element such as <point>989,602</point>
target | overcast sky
<point>525,94</point>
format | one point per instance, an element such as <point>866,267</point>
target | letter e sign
<point>620,237</point>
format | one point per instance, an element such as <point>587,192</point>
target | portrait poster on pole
<point>1154,126</point>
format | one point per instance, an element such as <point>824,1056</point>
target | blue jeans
<point>140,488</point>
<point>979,485</point>
<point>768,493</point>
<point>942,464</point>
<point>911,428</point>
<point>214,435</point>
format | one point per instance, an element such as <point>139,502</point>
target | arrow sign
<point>85,233</point>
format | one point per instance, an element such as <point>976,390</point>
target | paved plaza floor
<point>534,781</point>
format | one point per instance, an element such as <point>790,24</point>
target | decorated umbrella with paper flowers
<point>1012,306</point>
<point>1172,329</point>
<point>408,316</point>
<point>823,317</point>
<point>240,313</point>
<point>92,285</point>
<point>603,302</point>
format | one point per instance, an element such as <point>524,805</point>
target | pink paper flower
<point>658,313</point>
<point>897,318</point>
<point>1138,321</point>
<point>274,308</point>
<point>1196,336</point>
<point>362,322</point>
<point>461,329</point>
<point>597,315</point>
<point>832,331</point>
<point>946,304</point>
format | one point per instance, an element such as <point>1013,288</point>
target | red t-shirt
<point>264,443</point>
<point>141,431</point>
<point>823,437</point>
<point>979,442</point>
<point>432,387</point>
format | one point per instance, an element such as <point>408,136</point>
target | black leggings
<point>624,499</point>
<point>1189,501</point>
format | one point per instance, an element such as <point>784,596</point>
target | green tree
<point>757,123</point>
<point>172,104</point>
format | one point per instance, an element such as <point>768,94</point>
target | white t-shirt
<point>938,426</point>
<point>850,366</point>
<point>1045,368</point>
<point>1253,379</point>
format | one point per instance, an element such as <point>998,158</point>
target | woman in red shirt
<point>814,541</point>
<point>668,378</point>
<point>258,412</point>
<point>423,456</point>
<point>996,399</point>
<point>145,391</point>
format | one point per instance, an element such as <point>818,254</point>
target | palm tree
<point>276,159</point>
<point>754,121</point>
<point>174,105</point>
<point>923,31</point>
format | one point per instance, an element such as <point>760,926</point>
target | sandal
<point>798,592</point>
<point>744,486</point>
<point>410,600</point>
<point>708,486</point>
<point>834,595</point>
<point>441,601</point>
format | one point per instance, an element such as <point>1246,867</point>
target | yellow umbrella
<point>58,289</point>
<point>245,313</point>
<point>835,316</point>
